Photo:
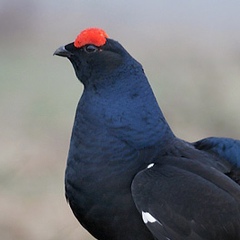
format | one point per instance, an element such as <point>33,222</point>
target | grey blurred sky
<point>131,18</point>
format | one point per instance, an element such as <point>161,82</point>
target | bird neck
<point>128,109</point>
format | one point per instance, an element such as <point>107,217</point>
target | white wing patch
<point>147,217</point>
<point>150,165</point>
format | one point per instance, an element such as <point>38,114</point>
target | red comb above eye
<point>95,36</point>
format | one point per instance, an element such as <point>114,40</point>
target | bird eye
<point>90,48</point>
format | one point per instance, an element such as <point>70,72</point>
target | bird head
<point>93,55</point>
<point>116,91</point>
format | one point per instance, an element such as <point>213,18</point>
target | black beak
<point>62,52</point>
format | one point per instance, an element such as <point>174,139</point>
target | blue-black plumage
<point>128,176</point>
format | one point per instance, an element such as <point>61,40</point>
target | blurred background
<point>190,51</point>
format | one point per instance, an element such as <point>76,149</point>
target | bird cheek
<point>83,72</point>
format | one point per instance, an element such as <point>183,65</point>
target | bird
<point>128,177</point>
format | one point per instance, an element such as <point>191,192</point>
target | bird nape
<point>128,177</point>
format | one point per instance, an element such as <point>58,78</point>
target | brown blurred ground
<point>190,52</point>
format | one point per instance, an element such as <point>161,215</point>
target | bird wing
<point>181,198</point>
<point>226,148</point>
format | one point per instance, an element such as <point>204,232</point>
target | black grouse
<point>128,177</point>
